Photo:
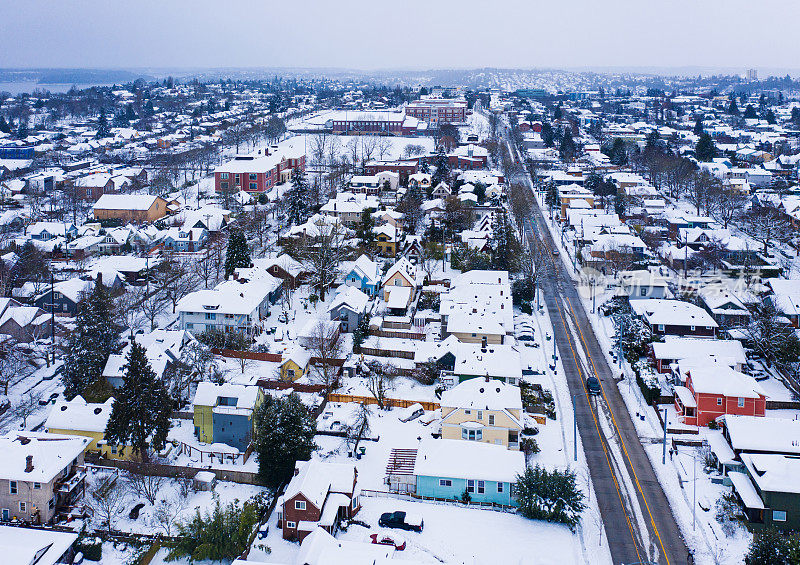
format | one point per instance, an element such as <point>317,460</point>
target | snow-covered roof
<point>51,455</point>
<point>758,433</point>
<point>79,415</point>
<point>672,313</point>
<point>316,478</point>
<point>367,268</point>
<point>208,394</point>
<point>678,348</point>
<point>350,296</point>
<point>480,393</point>
<point>773,472</point>
<point>716,379</point>
<point>399,297</point>
<point>404,267</point>
<point>451,458</point>
<point>26,546</point>
<point>125,202</point>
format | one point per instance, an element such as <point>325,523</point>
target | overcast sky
<point>378,34</point>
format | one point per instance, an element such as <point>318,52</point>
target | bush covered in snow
<point>550,495</point>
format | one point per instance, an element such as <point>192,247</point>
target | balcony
<point>71,483</point>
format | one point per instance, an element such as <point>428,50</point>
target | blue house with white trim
<point>365,275</point>
<point>445,468</point>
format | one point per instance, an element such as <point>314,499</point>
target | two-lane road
<point>628,493</point>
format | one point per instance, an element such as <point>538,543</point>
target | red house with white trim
<point>715,390</point>
<point>259,172</point>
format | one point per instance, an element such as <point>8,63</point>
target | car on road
<point>402,520</point>
<point>398,542</point>
<point>45,401</point>
<point>593,385</point>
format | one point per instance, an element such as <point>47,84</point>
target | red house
<point>319,495</point>
<point>259,172</point>
<point>715,390</point>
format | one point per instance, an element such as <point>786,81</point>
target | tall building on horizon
<point>752,74</point>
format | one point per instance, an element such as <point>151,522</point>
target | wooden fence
<point>393,402</point>
<point>403,335</point>
<point>272,384</point>
<point>386,353</point>
<point>252,355</point>
<point>179,471</point>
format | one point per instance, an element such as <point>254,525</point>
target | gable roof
<point>672,313</point>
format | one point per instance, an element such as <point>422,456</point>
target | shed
<point>204,480</point>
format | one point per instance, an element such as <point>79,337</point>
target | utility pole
<point>52,319</point>
<point>664,446</point>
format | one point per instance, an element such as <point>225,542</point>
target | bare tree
<point>26,406</point>
<point>203,269</point>
<point>105,501</point>
<point>144,484</point>
<point>127,310</point>
<point>327,346</point>
<point>700,191</point>
<point>731,205</point>
<point>431,255</point>
<point>12,362</point>
<point>383,146</point>
<point>380,380</point>
<point>319,148</point>
<point>216,254</point>
<point>235,135</point>
<point>151,303</point>
<point>360,427</point>
<point>766,225</point>
<point>168,512</point>
<point>324,256</point>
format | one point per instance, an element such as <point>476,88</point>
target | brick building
<point>259,172</point>
<point>436,110</point>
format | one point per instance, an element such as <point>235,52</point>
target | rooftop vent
<point>63,408</point>
<point>98,410</point>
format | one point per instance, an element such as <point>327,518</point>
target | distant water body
<point>20,87</point>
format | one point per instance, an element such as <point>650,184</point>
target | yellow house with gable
<point>295,364</point>
<point>483,410</point>
<point>402,273</point>
<point>77,417</point>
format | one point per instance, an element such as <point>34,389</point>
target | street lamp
<point>575,425</point>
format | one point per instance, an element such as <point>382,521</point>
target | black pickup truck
<point>401,520</point>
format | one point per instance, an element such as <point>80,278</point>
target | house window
<point>480,414</point>
<point>481,487</point>
<point>719,401</point>
<point>23,507</point>
<point>299,504</point>
<point>291,525</point>
<point>37,486</point>
<point>211,316</point>
<point>445,483</point>
<point>661,327</point>
<point>467,412</point>
<point>223,176</point>
<point>290,373</point>
<point>253,186</point>
<point>470,486</point>
<point>51,503</point>
<point>642,292</point>
<point>12,487</point>
<point>691,328</point>
<point>253,176</point>
<point>223,185</point>
<point>491,419</point>
<point>741,402</point>
<point>500,486</point>
<point>778,515</point>
<point>189,326</point>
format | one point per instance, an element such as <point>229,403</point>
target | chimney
<point>29,463</point>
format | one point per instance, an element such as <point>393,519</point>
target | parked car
<point>278,334</point>
<point>401,520</point>
<point>398,542</point>
<point>593,385</point>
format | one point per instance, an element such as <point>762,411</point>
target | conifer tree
<point>94,338</point>
<point>698,127</point>
<point>4,127</point>
<point>364,231</point>
<point>284,434</point>
<point>750,112</point>
<point>102,125</point>
<point>442,163</point>
<point>705,150</point>
<point>733,108</point>
<point>238,253</point>
<point>140,415</point>
<point>297,199</point>
<point>22,131</point>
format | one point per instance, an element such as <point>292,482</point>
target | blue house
<point>224,413</point>
<point>446,468</point>
<point>365,275</point>
<point>186,240</point>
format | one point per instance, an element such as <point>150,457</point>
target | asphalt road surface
<point>610,469</point>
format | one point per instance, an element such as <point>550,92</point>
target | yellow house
<point>80,418</point>
<point>223,413</point>
<point>295,364</point>
<point>402,273</point>
<point>483,410</point>
<point>386,240</point>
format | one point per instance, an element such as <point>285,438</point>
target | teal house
<point>446,468</point>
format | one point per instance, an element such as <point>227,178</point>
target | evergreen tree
<point>733,108</point>
<point>705,150</point>
<point>238,253</point>
<point>130,113</point>
<point>503,243</point>
<point>549,495</point>
<point>4,127</point>
<point>102,125</point>
<point>750,112</point>
<point>22,131</point>
<point>698,127</point>
<point>284,434</point>
<point>141,411</point>
<point>567,150</point>
<point>547,135</point>
<point>364,231</point>
<point>619,153</point>
<point>121,119</point>
<point>795,116</point>
<point>94,338</point>
<point>149,109</point>
<point>771,547</point>
<point>770,117</point>
<point>442,164</point>
<point>297,198</point>
<point>551,195</point>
